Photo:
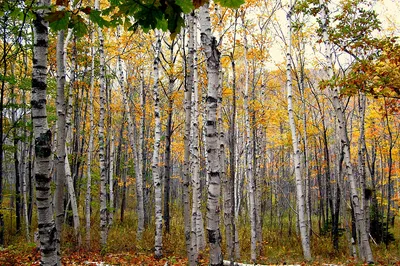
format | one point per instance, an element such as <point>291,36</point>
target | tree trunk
<point>186,160</point>
<point>296,151</point>
<point>168,137</point>
<point>141,161</point>
<point>249,153</point>
<point>111,181</point>
<point>155,162</point>
<point>42,135</point>
<point>364,247</point>
<point>72,199</point>
<point>213,61</point>
<point>90,148</point>
<point>103,181</point>
<point>61,153</point>
<point>24,155</point>
<point>136,154</point>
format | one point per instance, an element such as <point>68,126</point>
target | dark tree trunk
<point>167,167</point>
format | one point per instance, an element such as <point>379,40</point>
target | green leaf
<point>231,3</point>
<point>79,26</point>
<point>59,20</point>
<point>95,16</point>
<point>162,24</point>
<point>186,5</point>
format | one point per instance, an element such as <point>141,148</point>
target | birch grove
<point>174,131</point>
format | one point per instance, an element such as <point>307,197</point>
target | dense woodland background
<point>180,131</point>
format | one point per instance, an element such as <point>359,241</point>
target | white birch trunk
<point>155,161</point>
<point>201,241</point>
<point>139,162</point>
<point>249,153</point>
<point>190,249</point>
<point>72,198</point>
<point>197,236</point>
<point>213,61</point>
<point>61,154</point>
<point>24,157</point>
<point>42,135</point>
<point>111,181</point>
<point>103,181</point>
<point>90,148</point>
<point>364,246</point>
<point>296,151</point>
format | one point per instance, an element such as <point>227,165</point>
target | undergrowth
<point>280,245</point>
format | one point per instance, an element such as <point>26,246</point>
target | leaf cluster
<point>166,15</point>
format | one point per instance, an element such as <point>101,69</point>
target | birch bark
<point>156,149</point>
<point>296,151</point>
<point>103,181</point>
<point>196,194</point>
<point>213,62</point>
<point>249,152</point>
<point>111,181</point>
<point>61,153</point>
<point>90,148</point>
<point>24,155</point>
<point>186,159</point>
<point>42,135</point>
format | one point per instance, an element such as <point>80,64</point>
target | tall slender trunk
<point>16,159</point>
<point>90,148</point>
<point>197,232</point>
<point>186,160</point>
<point>103,181</point>
<point>72,199</point>
<point>168,137</point>
<point>361,159</point>
<point>61,153</point>
<point>155,162</point>
<point>111,181</point>
<point>249,152</point>
<point>43,136</point>
<point>364,245</point>
<point>296,151</point>
<point>390,170</point>
<point>307,175</point>
<point>24,154</point>
<point>141,162</point>
<point>213,62</point>
<point>3,87</point>
<point>137,154</point>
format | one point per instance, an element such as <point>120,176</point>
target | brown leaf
<point>199,3</point>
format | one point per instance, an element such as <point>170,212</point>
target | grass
<point>278,246</point>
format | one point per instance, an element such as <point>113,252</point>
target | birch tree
<point>156,149</point>
<point>103,181</point>
<point>186,140</point>
<point>43,136</point>
<point>212,55</point>
<point>90,147</point>
<point>137,153</point>
<point>364,246</point>
<point>61,152</point>
<point>249,150</point>
<point>305,242</point>
<point>194,142</point>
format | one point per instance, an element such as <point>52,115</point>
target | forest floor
<point>31,256</point>
<point>278,248</point>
